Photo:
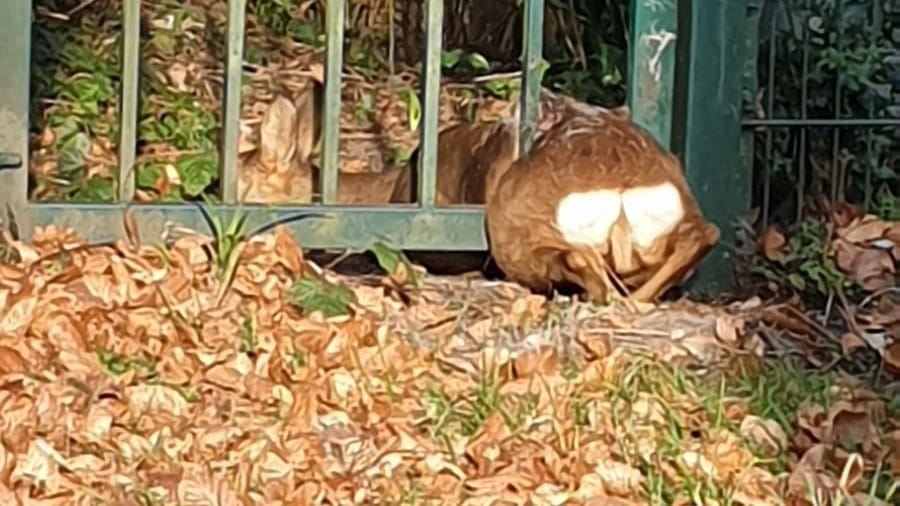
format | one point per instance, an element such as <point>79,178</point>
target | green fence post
<point>708,131</point>
<point>651,74</point>
<point>15,65</point>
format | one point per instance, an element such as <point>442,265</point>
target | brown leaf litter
<point>123,381</point>
<point>868,250</point>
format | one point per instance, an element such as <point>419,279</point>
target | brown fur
<point>472,158</point>
<point>282,173</point>
<point>584,153</point>
<point>466,152</point>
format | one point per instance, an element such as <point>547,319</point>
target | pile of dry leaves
<point>864,250</point>
<point>131,375</point>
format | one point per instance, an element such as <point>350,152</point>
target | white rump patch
<point>586,218</point>
<point>652,212</point>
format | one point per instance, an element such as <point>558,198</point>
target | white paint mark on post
<point>662,40</point>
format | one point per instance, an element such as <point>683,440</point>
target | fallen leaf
<point>177,74</point>
<point>11,361</point>
<point>808,476</point>
<point>773,243</point>
<point>18,317</point>
<point>851,427</point>
<point>146,398</point>
<point>868,228</point>
<point>765,434</point>
<point>891,356</point>
<point>618,478</point>
<point>871,268</point>
<point>851,342</point>
<point>845,213</point>
<point>544,361</point>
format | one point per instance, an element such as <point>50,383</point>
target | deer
<point>281,171</point>
<point>597,203</point>
<point>471,157</point>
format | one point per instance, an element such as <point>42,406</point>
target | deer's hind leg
<point>588,268</point>
<point>692,241</point>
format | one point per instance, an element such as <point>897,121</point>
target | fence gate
<point>700,117</point>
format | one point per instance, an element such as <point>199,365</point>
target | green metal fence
<point>822,106</point>
<point>688,111</point>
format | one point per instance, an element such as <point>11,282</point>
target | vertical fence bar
<point>874,25</point>
<point>837,173</point>
<point>15,66</point>
<point>532,49</point>
<point>331,122</point>
<point>804,114</point>
<point>751,83</point>
<point>128,97</point>
<point>770,139</point>
<point>651,78</point>
<point>231,103</point>
<point>711,54</point>
<point>867,175</point>
<point>431,89</point>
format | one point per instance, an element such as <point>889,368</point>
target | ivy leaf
<point>196,173</point>
<point>477,62</point>
<point>175,195</point>
<point>450,59</point>
<point>797,281</point>
<point>98,189</point>
<point>501,88</point>
<point>73,152</point>
<point>395,264</point>
<point>311,294</point>
<point>305,32</point>
<point>148,175</point>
